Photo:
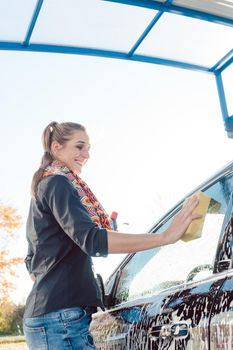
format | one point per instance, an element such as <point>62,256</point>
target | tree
<point>9,222</point>
<point>11,317</point>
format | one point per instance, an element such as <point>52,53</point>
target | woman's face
<point>75,152</point>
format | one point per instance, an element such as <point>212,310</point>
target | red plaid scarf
<point>88,199</point>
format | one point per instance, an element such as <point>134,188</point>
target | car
<point>178,296</point>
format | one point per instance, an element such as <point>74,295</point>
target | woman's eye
<point>80,147</point>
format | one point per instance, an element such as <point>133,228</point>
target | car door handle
<point>178,330</point>
<point>160,332</point>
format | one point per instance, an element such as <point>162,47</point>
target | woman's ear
<point>55,148</point>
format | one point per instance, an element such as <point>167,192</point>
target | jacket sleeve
<point>65,204</point>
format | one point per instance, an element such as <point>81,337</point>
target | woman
<point>66,226</point>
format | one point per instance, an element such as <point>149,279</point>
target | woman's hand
<point>33,278</point>
<point>181,221</point>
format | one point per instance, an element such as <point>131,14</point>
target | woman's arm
<point>130,243</point>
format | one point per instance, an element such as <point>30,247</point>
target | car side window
<point>151,271</point>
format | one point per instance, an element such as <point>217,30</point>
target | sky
<point>156,132</point>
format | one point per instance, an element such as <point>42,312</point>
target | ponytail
<point>45,161</point>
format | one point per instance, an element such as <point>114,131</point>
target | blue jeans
<point>66,329</point>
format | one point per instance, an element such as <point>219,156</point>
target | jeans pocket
<point>35,337</point>
<point>73,314</point>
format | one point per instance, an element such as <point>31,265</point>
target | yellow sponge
<point>195,228</point>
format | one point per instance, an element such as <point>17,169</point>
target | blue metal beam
<point>223,60</point>
<point>179,10</point>
<point>148,29</point>
<point>228,121</point>
<point>144,34</point>
<point>33,22</point>
<point>14,46</point>
<point>226,64</point>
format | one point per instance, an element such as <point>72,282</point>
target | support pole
<point>228,121</point>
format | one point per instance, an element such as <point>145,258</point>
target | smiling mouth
<point>77,162</point>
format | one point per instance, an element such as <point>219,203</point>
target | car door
<point>162,298</point>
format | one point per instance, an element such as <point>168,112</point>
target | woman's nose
<point>86,154</point>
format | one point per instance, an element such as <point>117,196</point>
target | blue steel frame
<point>161,7</point>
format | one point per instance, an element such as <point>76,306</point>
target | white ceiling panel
<point>187,39</point>
<point>90,23</point>
<point>15,17</point>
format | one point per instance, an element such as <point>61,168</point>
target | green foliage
<point>11,317</point>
